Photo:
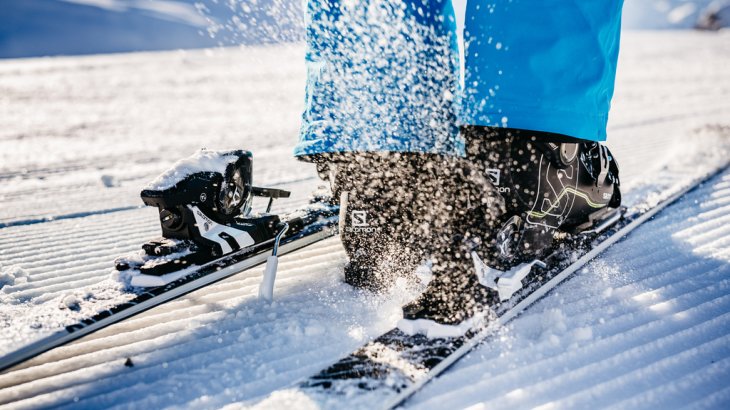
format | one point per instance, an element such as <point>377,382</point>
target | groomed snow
<point>645,326</point>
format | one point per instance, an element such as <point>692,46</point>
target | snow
<point>647,325</point>
<point>436,330</point>
<point>71,302</point>
<point>203,160</point>
<point>162,9</point>
<point>12,275</point>
<point>37,28</point>
<point>664,14</point>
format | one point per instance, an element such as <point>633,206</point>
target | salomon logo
<point>359,218</point>
<point>359,223</point>
<point>495,177</point>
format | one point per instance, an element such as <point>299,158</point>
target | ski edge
<point>552,283</point>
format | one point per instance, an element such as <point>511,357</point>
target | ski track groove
<point>87,192</point>
<point>587,370</point>
<point>673,365</point>
<point>692,384</point>
<point>575,309</point>
<point>35,235</point>
<point>25,248</point>
<point>636,357</point>
<point>717,400</point>
<point>616,323</point>
<point>166,353</point>
<point>647,280</point>
<point>206,304</point>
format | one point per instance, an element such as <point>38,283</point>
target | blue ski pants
<point>387,75</point>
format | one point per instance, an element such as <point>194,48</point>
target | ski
<point>208,234</point>
<point>389,369</point>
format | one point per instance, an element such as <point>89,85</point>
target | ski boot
<point>386,212</point>
<point>204,205</point>
<point>552,187</point>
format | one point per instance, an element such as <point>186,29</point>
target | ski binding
<point>204,205</point>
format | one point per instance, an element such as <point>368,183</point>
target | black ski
<point>389,369</point>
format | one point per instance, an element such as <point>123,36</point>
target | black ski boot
<point>551,186</point>
<point>387,212</point>
<point>453,302</point>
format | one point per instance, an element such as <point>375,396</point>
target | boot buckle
<point>605,159</point>
<point>505,283</point>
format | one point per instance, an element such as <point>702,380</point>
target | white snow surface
<point>647,325</point>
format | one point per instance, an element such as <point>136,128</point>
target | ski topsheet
<point>310,225</point>
<point>389,369</point>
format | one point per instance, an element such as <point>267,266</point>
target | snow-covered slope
<point>33,28</point>
<point>645,325</point>
<point>663,14</point>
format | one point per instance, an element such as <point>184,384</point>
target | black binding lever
<point>271,193</point>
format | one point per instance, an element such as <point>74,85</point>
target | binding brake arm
<point>271,193</point>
